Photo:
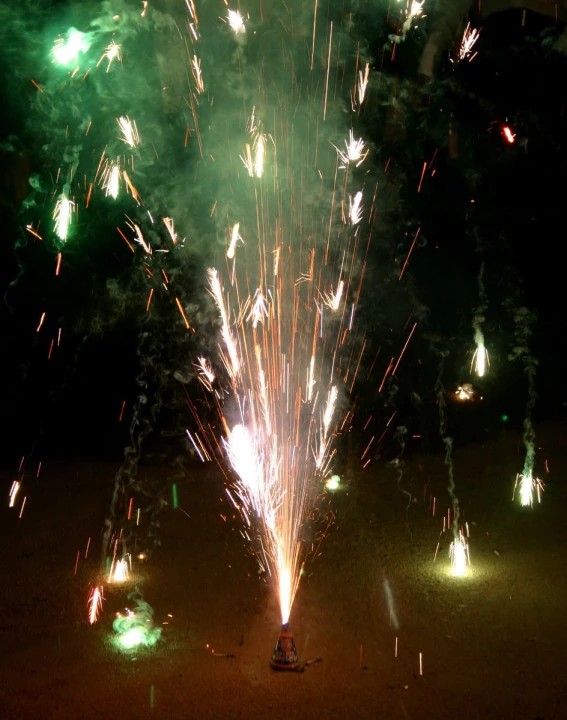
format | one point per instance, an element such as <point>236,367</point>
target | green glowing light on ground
<point>136,628</point>
<point>67,51</point>
<point>131,638</point>
<point>504,418</point>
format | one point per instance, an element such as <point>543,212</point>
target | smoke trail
<point>448,443</point>
<point>523,323</point>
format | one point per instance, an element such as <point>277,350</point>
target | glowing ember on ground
<point>509,136</point>
<point>465,392</point>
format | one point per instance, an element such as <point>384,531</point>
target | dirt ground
<point>493,645</point>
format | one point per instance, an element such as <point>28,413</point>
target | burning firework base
<point>284,656</point>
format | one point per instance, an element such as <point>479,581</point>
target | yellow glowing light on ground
<point>132,638</point>
<point>333,483</point>
<point>119,571</point>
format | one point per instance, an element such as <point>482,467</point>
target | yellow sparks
<point>236,22</point>
<point>459,555</point>
<point>111,54</point>
<point>129,131</point>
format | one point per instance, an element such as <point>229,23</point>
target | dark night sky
<point>71,404</point>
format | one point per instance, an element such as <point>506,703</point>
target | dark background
<point>70,404</point>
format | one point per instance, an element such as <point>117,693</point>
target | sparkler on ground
<point>459,555</point>
<point>529,485</point>
<point>457,545</point>
<point>480,361</point>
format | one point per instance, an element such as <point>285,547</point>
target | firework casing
<point>284,656</point>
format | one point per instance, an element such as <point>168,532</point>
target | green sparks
<point>66,51</point>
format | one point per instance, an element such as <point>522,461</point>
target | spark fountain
<point>528,485</point>
<point>287,302</point>
<point>459,550</point>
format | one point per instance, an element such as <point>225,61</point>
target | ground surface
<point>492,645</point>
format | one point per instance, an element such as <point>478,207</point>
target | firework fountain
<point>287,289</point>
<point>458,550</point>
<point>528,486</point>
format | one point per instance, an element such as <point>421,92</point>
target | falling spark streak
<point>168,222</point>
<point>259,151</point>
<point>236,22</point>
<point>253,158</point>
<point>234,238</point>
<point>130,188</point>
<point>14,490</point>
<point>182,311</point>
<point>139,238</point>
<point>468,42</point>
<point>192,11</point>
<point>259,309</point>
<point>197,75</point>
<point>94,604</point>
<point>333,300</point>
<point>206,371</point>
<point>216,292</point>
<point>355,208</point>
<point>129,131</point>
<point>354,152</point>
<point>363,83</point>
<point>311,379</point>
